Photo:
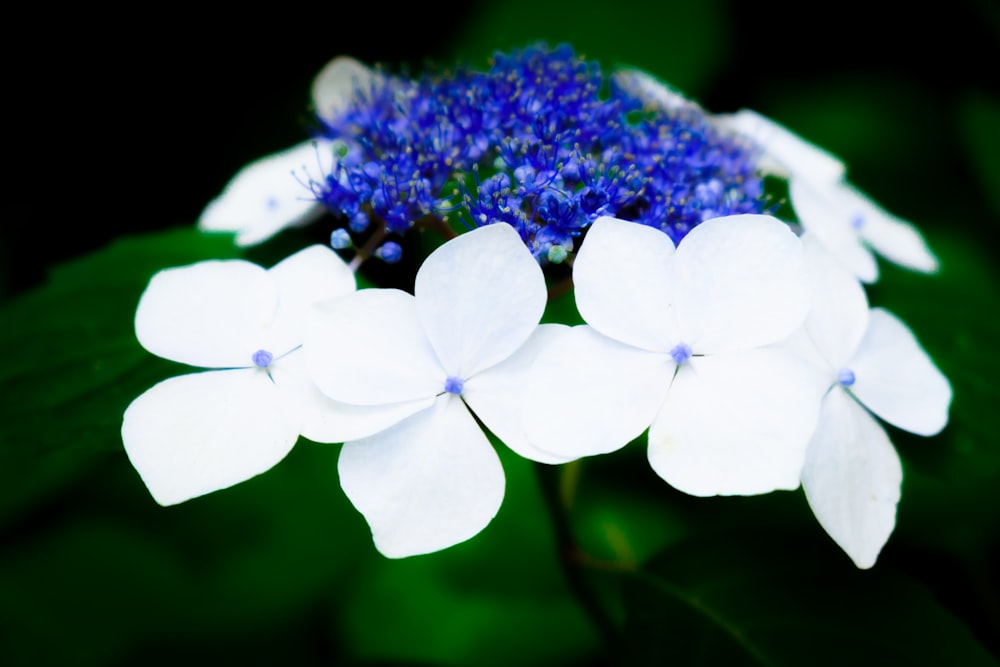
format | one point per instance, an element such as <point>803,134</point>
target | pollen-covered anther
<point>557,254</point>
<point>454,385</point>
<point>680,353</point>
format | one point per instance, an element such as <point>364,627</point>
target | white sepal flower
<point>851,226</point>
<point>197,433</point>
<point>678,342</point>
<point>784,153</point>
<point>270,194</point>
<point>459,345</point>
<point>265,197</point>
<point>871,363</point>
<point>845,220</point>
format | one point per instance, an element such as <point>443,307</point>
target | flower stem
<point>558,485</point>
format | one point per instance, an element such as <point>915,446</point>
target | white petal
<point>198,433</point>
<point>651,91</point>
<point>368,348</point>
<point>326,420</point>
<point>265,196</point>
<point>623,285</point>
<point>896,379</point>
<point>838,314</point>
<point>309,276</point>
<point>589,394</point>
<point>825,213</point>
<point>735,423</point>
<point>894,238</point>
<point>785,153</point>
<point>852,478</point>
<point>426,484</point>
<point>739,282</point>
<point>479,296</point>
<point>496,396</point>
<point>336,85</point>
<point>213,314</point>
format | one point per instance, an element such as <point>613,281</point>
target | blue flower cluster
<point>541,141</point>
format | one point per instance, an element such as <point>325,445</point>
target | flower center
<point>857,222</point>
<point>558,147</point>
<point>454,385</point>
<point>262,358</point>
<point>681,353</point>
<point>845,377</point>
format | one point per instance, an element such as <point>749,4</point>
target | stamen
<point>454,385</point>
<point>846,377</point>
<point>262,358</point>
<point>680,353</point>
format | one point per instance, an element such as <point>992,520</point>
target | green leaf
<point>72,362</point>
<point>763,600</point>
<point>498,599</point>
<point>979,130</point>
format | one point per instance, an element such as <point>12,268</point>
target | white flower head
<point>677,343</point>
<point>463,341</point>
<point>271,194</point>
<point>871,363</point>
<point>197,433</point>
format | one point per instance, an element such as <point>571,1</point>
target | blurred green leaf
<point>118,575</point>
<point>753,601</point>
<point>979,130</point>
<point>498,599</point>
<point>73,363</point>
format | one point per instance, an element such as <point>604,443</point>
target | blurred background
<point>116,132</point>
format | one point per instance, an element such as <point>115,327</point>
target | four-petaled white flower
<point>265,197</point>
<point>679,342</point>
<point>197,433</point>
<point>869,362</point>
<point>842,218</point>
<point>463,341</point>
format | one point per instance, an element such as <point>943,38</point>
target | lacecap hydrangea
<point>738,346</point>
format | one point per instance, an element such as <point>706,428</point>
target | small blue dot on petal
<point>262,358</point>
<point>846,377</point>
<point>454,385</point>
<point>681,353</point>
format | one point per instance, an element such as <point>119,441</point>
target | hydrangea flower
<point>460,345</point>
<point>197,433</point>
<point>840,216</point>
<point>266,197</point>
<point>679,342</point>
<point>869,363</point>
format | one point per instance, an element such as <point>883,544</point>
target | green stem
<point>558,485</point>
